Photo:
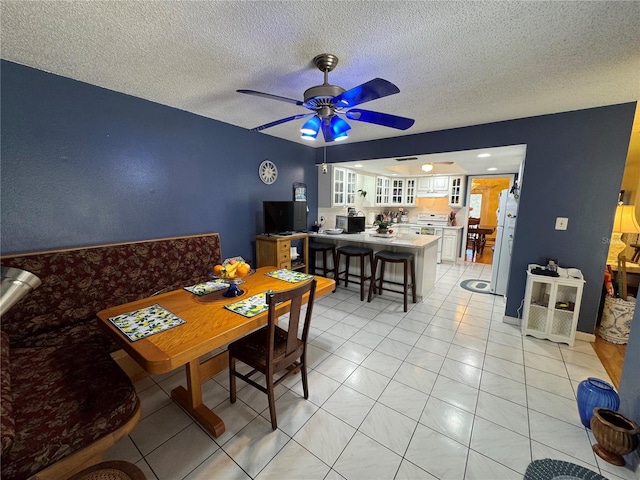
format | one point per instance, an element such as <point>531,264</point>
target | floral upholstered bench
<point>56,415</point>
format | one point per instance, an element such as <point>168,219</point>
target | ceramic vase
<point>593,393</point>
<point>616,435</point>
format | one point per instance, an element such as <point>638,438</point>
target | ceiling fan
<point>329,103</point>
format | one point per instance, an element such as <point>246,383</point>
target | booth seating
<point>358,252</point>
<point>386,256</point>
<point>324,248</point>
<point>64,398</point>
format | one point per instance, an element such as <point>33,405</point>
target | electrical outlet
<point>561,223</point>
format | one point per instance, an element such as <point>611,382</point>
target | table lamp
<point>625,222</point>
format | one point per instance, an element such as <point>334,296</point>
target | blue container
<point>593,393</point>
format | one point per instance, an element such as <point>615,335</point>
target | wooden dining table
<point>208,326</point>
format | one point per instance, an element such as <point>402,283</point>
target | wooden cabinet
<point>410,190</point>
<point>456,190</point>
<point>275,250</point>
<point>433,186</point>
<point>397,191</point>
<point>351,187</point>
<point>552,306</point>
<point>368,184</point>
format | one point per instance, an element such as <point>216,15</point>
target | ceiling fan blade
<point>371,90</point>
<point>271,96</point>
<point>282,120</point>
<point>384,119</point>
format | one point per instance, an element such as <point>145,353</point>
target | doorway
<point>482,200</point>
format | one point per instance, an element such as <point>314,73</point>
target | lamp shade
<point>626,220</point>
<point>427,167</point>
<point>16,283</point>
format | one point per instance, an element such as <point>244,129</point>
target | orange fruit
<point>243,269</point>
<point>217,269</point>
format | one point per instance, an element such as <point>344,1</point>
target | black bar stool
<point>349,252</point>
<point>408,260</point>
<point>314,248</point>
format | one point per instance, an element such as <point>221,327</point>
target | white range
<point>431,224</point>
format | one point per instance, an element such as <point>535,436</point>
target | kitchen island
<point>424,247</point>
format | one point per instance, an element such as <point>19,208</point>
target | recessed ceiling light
<point>484,155</point>
<point>358,166</point>
<point>491,169</point>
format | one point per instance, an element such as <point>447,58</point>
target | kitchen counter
<point>424,247</point>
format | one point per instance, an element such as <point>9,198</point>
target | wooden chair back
<point>474,222</point>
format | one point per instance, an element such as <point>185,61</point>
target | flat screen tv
<point>282,217</point>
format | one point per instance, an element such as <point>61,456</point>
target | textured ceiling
<point>456,63</point>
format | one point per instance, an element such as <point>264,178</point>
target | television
<point>282,217</point>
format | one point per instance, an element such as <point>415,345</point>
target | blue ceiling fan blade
<point>271,96</point>
<point>282,120</point>
<point>371,90</point>
<point>384,119</point>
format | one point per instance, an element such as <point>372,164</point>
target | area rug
<point>548,469</point>
<point>476,286</point>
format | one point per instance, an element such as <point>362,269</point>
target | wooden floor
<point>612,357</point>
<point>485,258</point>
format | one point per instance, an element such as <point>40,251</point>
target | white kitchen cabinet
<point>433,186</point>
<point>450,242</point>
<point>552,305</point>
<point>383,191</point>
<point>456,190</point>
<point>337,187</point>
<point>410,190</point>
<point>366,183</point>
<point>397,191</point>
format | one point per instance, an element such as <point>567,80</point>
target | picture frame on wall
<point>300,192</point>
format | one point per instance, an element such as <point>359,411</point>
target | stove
<point>433,219</point>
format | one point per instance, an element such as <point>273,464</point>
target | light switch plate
<point>561,223</point>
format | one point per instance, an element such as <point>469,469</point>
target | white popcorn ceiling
<point>456,63</point>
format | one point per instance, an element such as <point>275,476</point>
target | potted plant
<point>383,226</point>
<point>363,193</point>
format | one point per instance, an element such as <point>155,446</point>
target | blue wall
<point>82,165</point>
<point>573,169</point>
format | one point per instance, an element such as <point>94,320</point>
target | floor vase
<point>593,393</point>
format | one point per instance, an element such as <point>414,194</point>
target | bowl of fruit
<point>231,271</point>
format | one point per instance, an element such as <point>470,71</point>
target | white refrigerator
<point>507,214</point>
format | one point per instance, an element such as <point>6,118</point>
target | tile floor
<point>445,391</point>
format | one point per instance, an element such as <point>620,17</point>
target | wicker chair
<point>272,349</point>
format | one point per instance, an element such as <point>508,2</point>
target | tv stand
<point>275,250</point>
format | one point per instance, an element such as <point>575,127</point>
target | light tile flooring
<point>445,391</point>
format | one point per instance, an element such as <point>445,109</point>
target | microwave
<point>350,224</point>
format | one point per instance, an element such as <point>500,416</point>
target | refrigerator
<point>507,214</point>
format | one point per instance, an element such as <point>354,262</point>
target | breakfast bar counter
<point>424,247</point>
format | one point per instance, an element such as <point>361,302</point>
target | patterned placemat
<point>210,286</point>
<point>290,276</point>
<point>146,321</point>
<point>252,306</point>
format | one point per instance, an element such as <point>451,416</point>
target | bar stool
<point>314,248</point>
<point>407,259</point>
<point>349,252</point>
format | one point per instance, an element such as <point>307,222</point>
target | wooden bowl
<point>616,435</point>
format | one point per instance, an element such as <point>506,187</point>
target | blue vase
<point>593,393</point>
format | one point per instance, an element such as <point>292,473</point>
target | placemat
<point>210,286</point>
<point>252,306</point>
<point>290,276</point>
<point>145,322</point>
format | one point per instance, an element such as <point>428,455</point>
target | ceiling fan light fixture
<point>427,167</point>
<point>339,126</point>
<point>311,128</point>
<point>342,136</point>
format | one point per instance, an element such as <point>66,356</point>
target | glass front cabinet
<point>456,191</point>
<point>552,305</point>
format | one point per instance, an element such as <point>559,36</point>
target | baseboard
<point>585,337</point>
<point>511,320</point>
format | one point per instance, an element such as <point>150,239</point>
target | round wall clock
<point>268,172</point>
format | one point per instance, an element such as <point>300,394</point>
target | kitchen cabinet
<point>397,191</point>
<point>433,186</point>
<point>456,190</point>
<point>368,184</point>
<point>275,250</point>
<point>552,305</point>
<point>450,242</point>
<point>410,190</point>
<point>383,190</point>
<point>337,187</point>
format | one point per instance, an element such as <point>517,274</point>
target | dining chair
<point>272,349</point>
<point>472,237</point>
